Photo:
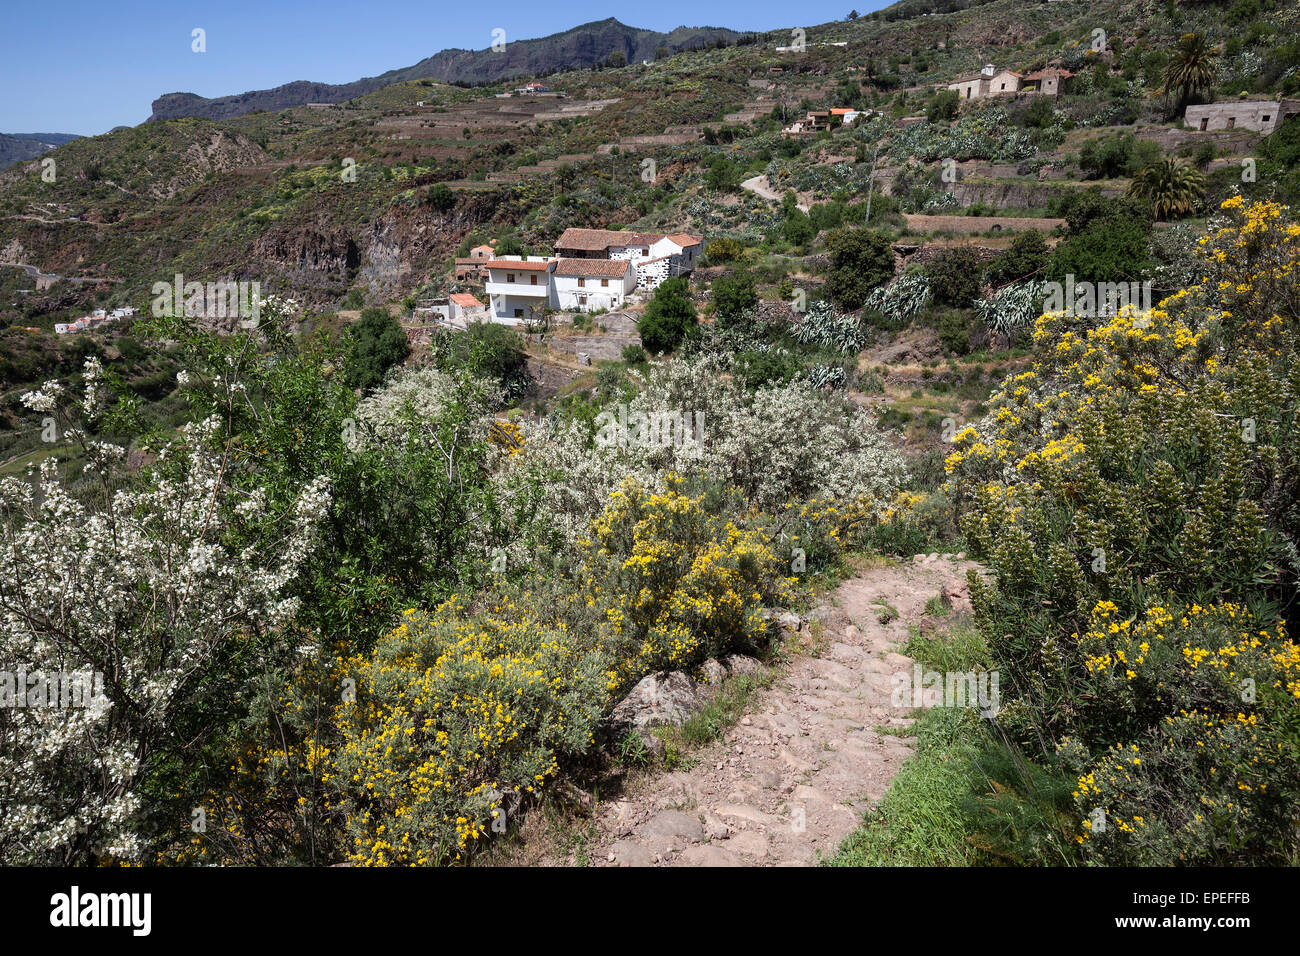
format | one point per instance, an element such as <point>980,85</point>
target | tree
<point>954,277</point>
<point>861,260</point>
<point>943,106</point>
<point>734,297</point>
<point>1190,68</point>
<point>377,344</point>
<point>798,228</point>
<point>1174,189</point>
<point>440,197</point>
<point>723,175</point>
<point>509,246</point>
<point>1110,250</point>
<point>1025,256</point>
<point>669,318</point>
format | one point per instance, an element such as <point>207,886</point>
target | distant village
<point>95,320</point>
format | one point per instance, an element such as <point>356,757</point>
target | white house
<point>464,308</point>
<point>656,255</point>
<point>989,81</point>
<point>973,86</point>
<point>590,284</point>
<point>519,289</point>
<point>1262,116</point>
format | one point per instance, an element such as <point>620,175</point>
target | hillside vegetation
<point>366,589</point>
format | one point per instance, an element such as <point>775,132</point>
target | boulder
<point>714,672</point>
<point>658,699</point>
<point>740,664</point>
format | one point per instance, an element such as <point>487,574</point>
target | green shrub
<point>861,260</point>
<point>954,277</point>
<point>669,318</point>
<point>377,344</point>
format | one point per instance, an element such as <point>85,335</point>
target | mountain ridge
<point>583,46</point>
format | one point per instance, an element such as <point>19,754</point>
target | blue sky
<point>87,66</point>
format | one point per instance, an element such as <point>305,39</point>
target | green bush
<point>861,260</point>
<point>377,344</point>
<point>669,318</point>
<point>954,332</point>
<point>954,276</point>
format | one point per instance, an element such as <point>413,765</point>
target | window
<point>510,277</point>
<point>519,313</point>
<point>582,283</point>
<point>645,251</point>
<point>1266,117</point>
<point>604,282</point>
<point>534,278</point>
<point>1232,122</point>
<point>1205,121</point>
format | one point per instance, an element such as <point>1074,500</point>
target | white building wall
<point>571,297</point>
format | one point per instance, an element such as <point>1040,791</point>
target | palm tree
<point>1191,68</point>
<point>1173,188</point>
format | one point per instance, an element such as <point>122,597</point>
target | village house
<point>591,284</point>
<point>656,255</point>
<point>1047,82</point>
<point>463,308</point>
<point>815,121</point>
<point>96,319</point>
<point>990,81</point>
<point>470,268</point>
<point>519,289</point>
<point>1261,116</point>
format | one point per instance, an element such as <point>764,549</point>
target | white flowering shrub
<point>778,444</point>
<point>138,581</point>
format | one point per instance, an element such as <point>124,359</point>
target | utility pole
<point>871,182</point>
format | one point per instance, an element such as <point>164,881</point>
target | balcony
<point>541,290</point>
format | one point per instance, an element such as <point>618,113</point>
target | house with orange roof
<point>519,289</point>
<point>591,284</point>
<point>656,255</point>
<point>464,308</point>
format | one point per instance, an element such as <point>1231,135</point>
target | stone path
<point>795,775</point>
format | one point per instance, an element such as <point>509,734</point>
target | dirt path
<point>760,186</point>
<point>793,777</point>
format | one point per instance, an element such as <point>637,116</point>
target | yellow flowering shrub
<point>1134,494</point>
<point>675,584</point>
<point>1219,760</point>
<point>457,716</point>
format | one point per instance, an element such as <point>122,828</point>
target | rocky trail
<point>791,779</point>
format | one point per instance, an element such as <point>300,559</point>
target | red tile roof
<point>465,300</point>
<point>686,239</point>
<point>598,240</point>
<point>593,268</point>
<point>518,264</point>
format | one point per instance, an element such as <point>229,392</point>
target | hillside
<point>15,147</point>
<point>581,47</point>
<point>867,444</point>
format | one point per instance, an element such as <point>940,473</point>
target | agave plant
<point>823,326</point>
<point>903,299</point>
<point>821,376</point>
<point>1173,188</point>
<point>1013,307</point>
